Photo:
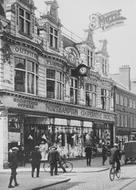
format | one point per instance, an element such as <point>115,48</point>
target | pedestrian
<point>53,158</point>
<point>21,156</point>
<point>35,161</point>
<point>13,164</point>
<point>88,152</point>
<point>104,154</point>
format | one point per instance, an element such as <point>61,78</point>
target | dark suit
<point>13,164</point>
<point>88,151</point>
<point>36,157</point>
<point>53,158</point>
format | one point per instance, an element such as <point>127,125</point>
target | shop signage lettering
<point>92,114</point>
<point>107,20</point>
<point>24,103</point>
<point>25,51</point>
<point>61,109</point>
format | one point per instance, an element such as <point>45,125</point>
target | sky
<point>74,15</point>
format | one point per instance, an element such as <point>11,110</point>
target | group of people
<point>54,160</point>
<point>114,155</point>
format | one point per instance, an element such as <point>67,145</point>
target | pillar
<point>3,139</point>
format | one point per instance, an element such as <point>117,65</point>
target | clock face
<point>82,70</point>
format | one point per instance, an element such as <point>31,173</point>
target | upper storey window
<point>53,38</point>
<point>55,84</point>
<point>90,58</point>
<point>26,76</point>
<point>24,22</point>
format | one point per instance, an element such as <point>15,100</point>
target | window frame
<point>27,72</point>
<point>53,37</point>
<point>58,84</point>
<point>26,28</point>
<point>90,90</point>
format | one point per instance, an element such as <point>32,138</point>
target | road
<point>100,180</point>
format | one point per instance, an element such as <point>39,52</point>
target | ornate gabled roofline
<point>51,19</point>
<point>32,45</point>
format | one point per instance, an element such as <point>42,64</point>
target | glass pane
<point>27,27</point>
<point>56,32</point>
<point>58,76</point>
<point>37,85</point>
<point>30,66</point>
<point>27,16</point>
<point>19,63</point>
<point>50,89</point>
<point>20,81</point>
<point>56,42</point>
<point>58,91</point>
<point>30,83</point>
<point>50,73</point>
<point>76,84</point>
<point>21,12</point>
<point>36,68</point>
<point>51,40</point>
<point>51,30</point>
<point>21,24</point>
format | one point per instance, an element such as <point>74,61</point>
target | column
<point>3,139</point>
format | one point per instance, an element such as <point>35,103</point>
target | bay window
<point>55,84</point>
<point>90,91</point>
<point>26,76</point>
<point>73,90</point>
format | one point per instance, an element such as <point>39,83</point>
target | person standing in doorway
<point>35,161</point>
<point>88,153</point>
<point>13,164</point>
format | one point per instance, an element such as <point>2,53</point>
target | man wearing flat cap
<point>36,158</point>
<point>13,164</point>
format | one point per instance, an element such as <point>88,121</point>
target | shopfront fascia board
<point>58,109</point>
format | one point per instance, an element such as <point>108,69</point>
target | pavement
<point>26,182</point>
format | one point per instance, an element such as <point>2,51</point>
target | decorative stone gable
<point>52,9</point>
<point>89,39</point>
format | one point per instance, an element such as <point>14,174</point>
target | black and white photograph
<point>67,95</point>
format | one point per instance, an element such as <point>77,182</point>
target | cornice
<point>42,99</point>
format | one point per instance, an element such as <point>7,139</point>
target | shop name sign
<point>106,21</point>
<point>70,111</point>
<point>24,103</point>
<point>24,51</point>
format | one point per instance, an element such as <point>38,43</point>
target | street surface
<point>95,177</point>
<point>100,181</point>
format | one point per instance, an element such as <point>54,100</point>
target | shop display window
<point>13,123</point>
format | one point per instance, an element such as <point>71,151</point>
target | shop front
<point>34,121</point>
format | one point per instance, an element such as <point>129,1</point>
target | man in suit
<point>53,158</point>
<point>35,161</point>
<point>13,164</point>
